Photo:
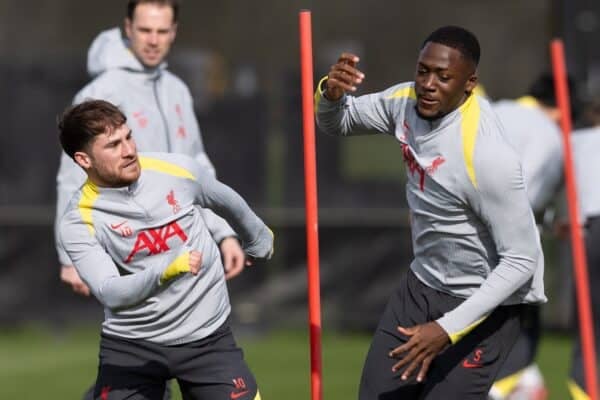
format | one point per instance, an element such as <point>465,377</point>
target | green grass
<point>40,364</point>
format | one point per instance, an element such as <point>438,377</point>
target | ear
<point>83,160</point>
<point>128,28</point>
<point>173,31</point>
<point>471,83</point>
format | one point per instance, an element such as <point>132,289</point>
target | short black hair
<point>80,124</point>
<point>458,38</point>
<point>542,89</point>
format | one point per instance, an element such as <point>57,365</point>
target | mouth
<point>152,53</point>
<point>427,101</point>
<point>130,163</point>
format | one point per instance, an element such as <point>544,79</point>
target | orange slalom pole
<point>312,227</point>
<point>586,327</point>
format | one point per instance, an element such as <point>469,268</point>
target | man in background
<point>131,72</point>
<point>586,144</point>
<point>531,125</point>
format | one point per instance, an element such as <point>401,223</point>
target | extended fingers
<point>414,364</point>
<point>345,77</point>
<point>425,368</point>
<point>349,58</point>
<point>402,349</point>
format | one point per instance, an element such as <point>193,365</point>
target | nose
<point>129,148</point>
<point>429,82</point>
<point>153,38</point>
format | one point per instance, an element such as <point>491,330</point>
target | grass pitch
<point>37,363</point>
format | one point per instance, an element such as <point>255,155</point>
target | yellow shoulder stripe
<point>455,337</point>
<point>257,397</point>
<point>577,393</point>
<point>470,112</point>
<point>528,101</point>
<point>165,167</point>
<point>89,195</point>
<point>408,91</point>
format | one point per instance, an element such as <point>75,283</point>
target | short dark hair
<point>542,89</point>
<point>80,124</point>
<point>132,4</point>
<point>458,38</point>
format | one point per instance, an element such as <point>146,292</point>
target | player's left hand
<point>425,342</point>
<point>234,258</point>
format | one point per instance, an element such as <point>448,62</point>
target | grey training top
<point>586,146</point>
<point>537,141</point>
<point>159,110</point>
<point>122,240</point>
<point>473,231</point>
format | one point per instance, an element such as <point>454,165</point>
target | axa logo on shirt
<point>155,241</point>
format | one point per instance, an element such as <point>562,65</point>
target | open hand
<point>425,343</point>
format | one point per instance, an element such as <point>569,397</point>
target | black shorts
<point>464,371</point>
<point>209,369</point>
<point>523,353</point>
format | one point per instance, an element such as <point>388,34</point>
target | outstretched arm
<point>339,114</point>
<point>256,237</point>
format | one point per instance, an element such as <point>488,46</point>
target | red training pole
<point>586,327</point>
<point>312,227</point>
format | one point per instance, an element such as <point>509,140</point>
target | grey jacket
<point>586,143</point>
<point>158,107</point>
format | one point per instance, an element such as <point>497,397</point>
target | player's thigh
<point>130,370</point>
<point>466,370</point>
<point>524,350</point>
<point>378,381</point>
<point>214,369</point>
<point>406,307</point>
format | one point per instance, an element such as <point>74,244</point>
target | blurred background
<point>241,61</point>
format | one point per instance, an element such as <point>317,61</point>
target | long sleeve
<point>97,269</point>
<point>368,114</point>
<point>256,237</point>
<point>500,200</point>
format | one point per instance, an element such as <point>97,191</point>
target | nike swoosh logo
<point>116,226</point>
<point>237,395</point>
<point>467,364</point>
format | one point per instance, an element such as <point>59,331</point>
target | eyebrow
<point>110,142</point>
<point>422,64</point>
